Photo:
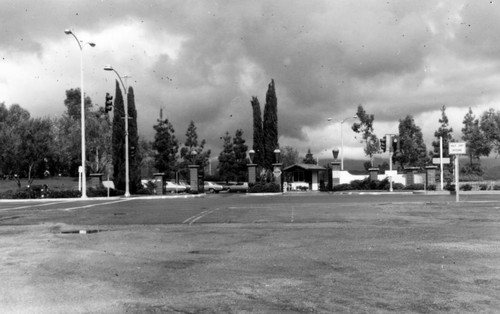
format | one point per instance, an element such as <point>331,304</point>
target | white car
<point>171,187</point>
<point>211,187</point>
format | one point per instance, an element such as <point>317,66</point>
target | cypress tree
<point>258,140</point>
<point>270,126</point>
<point>118,140</point>
<point>133,144</point>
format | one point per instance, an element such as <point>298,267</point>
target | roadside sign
<point>457,148</point>
<point>277,172</point>
<point>446,160</point>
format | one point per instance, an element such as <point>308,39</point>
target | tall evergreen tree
<point>270,126</point>
<point>444,131</point>
<point>191,144</point>
<point>133,143</point>
<point>118,139</point>
<point>240,155</point>
<point>309,159</point>
<point>258,133</point>
<point>226,159</point>
<point>166,146</point>
<point>413,151</point>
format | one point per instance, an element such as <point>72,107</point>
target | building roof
<point>306,167</point>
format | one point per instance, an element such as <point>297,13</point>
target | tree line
<point>481,135</point>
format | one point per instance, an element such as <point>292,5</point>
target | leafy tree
<point>490,126</point>
<point>226,159</point>
<point>270,126</point>
<point>289,156</point>
<point>118,139</point>
<point>191,144</point>
<point>73,103</point>
<point>365,128</point>
<point>35,147</point>
<point>147,157</point>
<point>10,138</point>
<point>166,146</point>
<point>309,159</point>
<point>240,156</point>
<point>98,138</point>
<point>412,146</point>
<point>476,141</point>
<point>258,133</point>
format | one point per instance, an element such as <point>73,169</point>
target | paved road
<point>220,208</point>
<point>294,253</point>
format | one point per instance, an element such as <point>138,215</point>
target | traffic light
<point>383,144</point>
<point>132,151</point>
<point>395,144</point>
<point>109,103</point>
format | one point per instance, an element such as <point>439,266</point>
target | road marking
<point>29,206</point>
<point>197,217</point>
<point>98,204</point>
<point>292,218</point>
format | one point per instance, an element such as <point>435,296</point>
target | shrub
<point>483,187</point>
<point>431,187</point>
<point>342,187</point>
<point>64,194</point>
<point>450,187</point>
<point>466,187</point>
<point>103,192</point>
<point>416,186</point>
<point>398,186</point>
<point>264,187</point>
<point>496,187</point>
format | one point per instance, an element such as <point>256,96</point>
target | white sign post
<point>457,149</point>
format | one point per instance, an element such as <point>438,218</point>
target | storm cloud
<point>204,60</point>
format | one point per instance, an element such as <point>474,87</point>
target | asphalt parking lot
<point>251,255</point>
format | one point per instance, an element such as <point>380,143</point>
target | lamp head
<point>108,68</point>
<point>251,154</point>
<point>277,153</point>
<point>92,44</point>
<point>68,32</point>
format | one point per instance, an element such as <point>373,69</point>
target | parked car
<point>186,185</point>
<point>239,187</point>
<point>171,187</point>
<point>211,187</point>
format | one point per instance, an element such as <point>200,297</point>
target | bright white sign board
<point>457,148</point>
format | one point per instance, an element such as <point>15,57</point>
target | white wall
<point>345,177</point>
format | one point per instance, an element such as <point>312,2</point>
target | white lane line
<point>97,204</point>
<point>197,217</point>
<point>30,206</point>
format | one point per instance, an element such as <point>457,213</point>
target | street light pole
<point>82,110</point>
<point>127,176</point>
<point>342,139</point>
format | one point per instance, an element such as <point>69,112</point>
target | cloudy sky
<point>204,60</point>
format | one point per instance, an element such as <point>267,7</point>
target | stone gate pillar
<point>373,173</point>
<point>252,173</point>
<point>194,178</point>
<point>159,182</point>
<point>410,175</point>
<point>430,175</point>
